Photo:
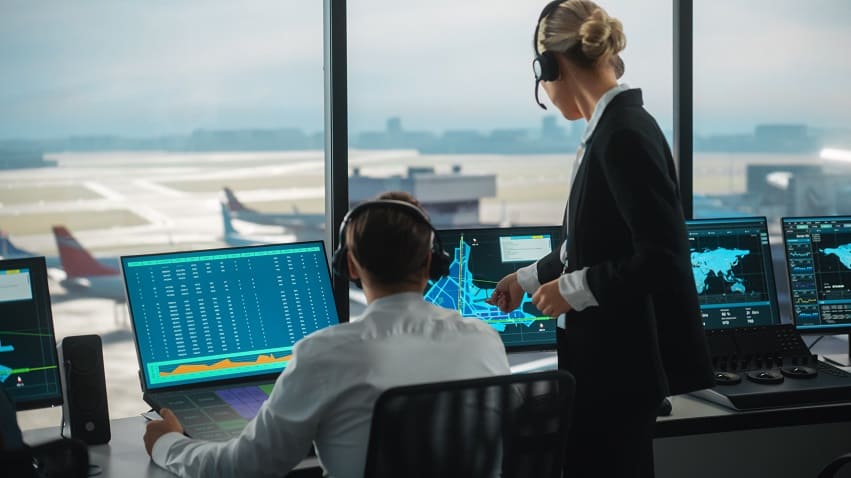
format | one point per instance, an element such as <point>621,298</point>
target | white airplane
<point>305,226</point>
<point>84,275</point>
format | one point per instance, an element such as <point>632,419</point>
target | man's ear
<point>354,267</point>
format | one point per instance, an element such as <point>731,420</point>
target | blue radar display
<point>481,257</point>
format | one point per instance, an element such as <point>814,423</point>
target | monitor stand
<point>843,360</point>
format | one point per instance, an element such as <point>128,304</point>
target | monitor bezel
<point>821,329</point>
<point>143,377</point>
<point>559,236</point>
<point>777,319</point>
<point>40,287</point>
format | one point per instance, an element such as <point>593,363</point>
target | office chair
<point>61,458</point>
<point>511,426</point>
<point>834,466</point>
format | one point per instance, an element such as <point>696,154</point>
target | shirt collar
<point>393,301</point>
<point>600,108</point>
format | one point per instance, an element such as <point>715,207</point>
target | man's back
<point>400,340</point>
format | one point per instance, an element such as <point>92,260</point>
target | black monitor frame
<point>841,359</point>
<point>143,379</point>
<point>41,296</point>
<point>558,234</point>
<point>769,270</point>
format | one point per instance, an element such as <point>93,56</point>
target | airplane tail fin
<point>9,250</point>
<point>226,221</point>
<point>76,260</point>
<point>233,203</point>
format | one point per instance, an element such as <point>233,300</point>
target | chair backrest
<point>508,426</point>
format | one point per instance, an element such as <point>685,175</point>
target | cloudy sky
<point>141,68</point>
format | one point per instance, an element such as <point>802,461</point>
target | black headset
<point>440,259</point>
<point>545,65</point>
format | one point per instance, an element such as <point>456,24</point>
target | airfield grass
<point>40,223</point>
<point>15,194</point>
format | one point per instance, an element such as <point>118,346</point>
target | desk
<point>124,456</point>
<point>698,440</point>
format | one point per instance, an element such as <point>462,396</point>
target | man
<point>327,392</point>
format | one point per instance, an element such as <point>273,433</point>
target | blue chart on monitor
<point>721,263</point>
<point>842,252</point>
<point>460,291</point>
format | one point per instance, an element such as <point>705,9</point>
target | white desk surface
<point>125,454</point>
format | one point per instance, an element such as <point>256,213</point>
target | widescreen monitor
<point>818,255</point>
<point>225,314</point>
<point>481,257</point>
<point>731,263</point>
<point>29,369</point>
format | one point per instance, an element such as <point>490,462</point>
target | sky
<point>156,67</point>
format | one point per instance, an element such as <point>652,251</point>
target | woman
<point>629,323</point>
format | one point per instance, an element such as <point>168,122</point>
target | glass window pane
<point>441,105</point>
<point>772,117</point>
<point>125,121</point>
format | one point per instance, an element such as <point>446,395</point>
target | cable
<point>810,347</point>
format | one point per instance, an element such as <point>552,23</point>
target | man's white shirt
<point>327,392</point>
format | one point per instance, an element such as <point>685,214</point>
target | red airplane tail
<point>233,203</point>
<point>76,260</point>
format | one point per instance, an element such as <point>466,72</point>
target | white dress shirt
<point>327,392</point>
<point>574,285</point>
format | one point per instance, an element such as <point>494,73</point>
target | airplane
<point>304,225</point>
<point>8,250</point>
<point>84,275</point>
<point>232,237</point>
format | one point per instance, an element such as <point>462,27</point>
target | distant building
<point>451,200</point>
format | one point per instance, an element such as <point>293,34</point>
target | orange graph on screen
<point>224,364</point>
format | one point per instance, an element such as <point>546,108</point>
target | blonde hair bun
<point>601,35</point>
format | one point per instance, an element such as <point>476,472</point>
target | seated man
<point>327,392</point>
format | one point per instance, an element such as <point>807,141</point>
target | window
<point>772,123</point>
<point>124,122</point>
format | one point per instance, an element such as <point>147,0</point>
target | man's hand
<point>157,428</point>
<point>549,300</point>
<point>508,294</point>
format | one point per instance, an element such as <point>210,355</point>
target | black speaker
<point>84,388</point>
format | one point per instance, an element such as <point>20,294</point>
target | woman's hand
<point>508,294</point>
<point>549,301</point>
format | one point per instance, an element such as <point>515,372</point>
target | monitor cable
<point>810,347</point>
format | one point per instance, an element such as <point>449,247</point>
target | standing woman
<point>629,325</point>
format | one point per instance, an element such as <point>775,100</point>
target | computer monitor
<point>481,257</point>
<point>731,262</point>
<point>818,255</point>
<point>29,369</point>
<point>225,314</point>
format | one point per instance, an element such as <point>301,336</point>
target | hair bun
<point>601,35</point>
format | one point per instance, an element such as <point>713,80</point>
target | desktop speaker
<point>84,388</point>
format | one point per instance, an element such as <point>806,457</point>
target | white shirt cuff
<point>527,277</point>
<point>159,453</point>
<point>574,288</point>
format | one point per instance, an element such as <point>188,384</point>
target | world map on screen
<point>720,263</point>
<point>843,253</point>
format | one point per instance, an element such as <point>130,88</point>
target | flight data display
<point>227,313</point>
<point>481,257</point>
<point>28,363</point>
<point>731,263</point>
<point>818,254</point>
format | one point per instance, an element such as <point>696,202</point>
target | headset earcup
<point>339,263</point>
<point>440,262</point>
<point>549,66</point>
